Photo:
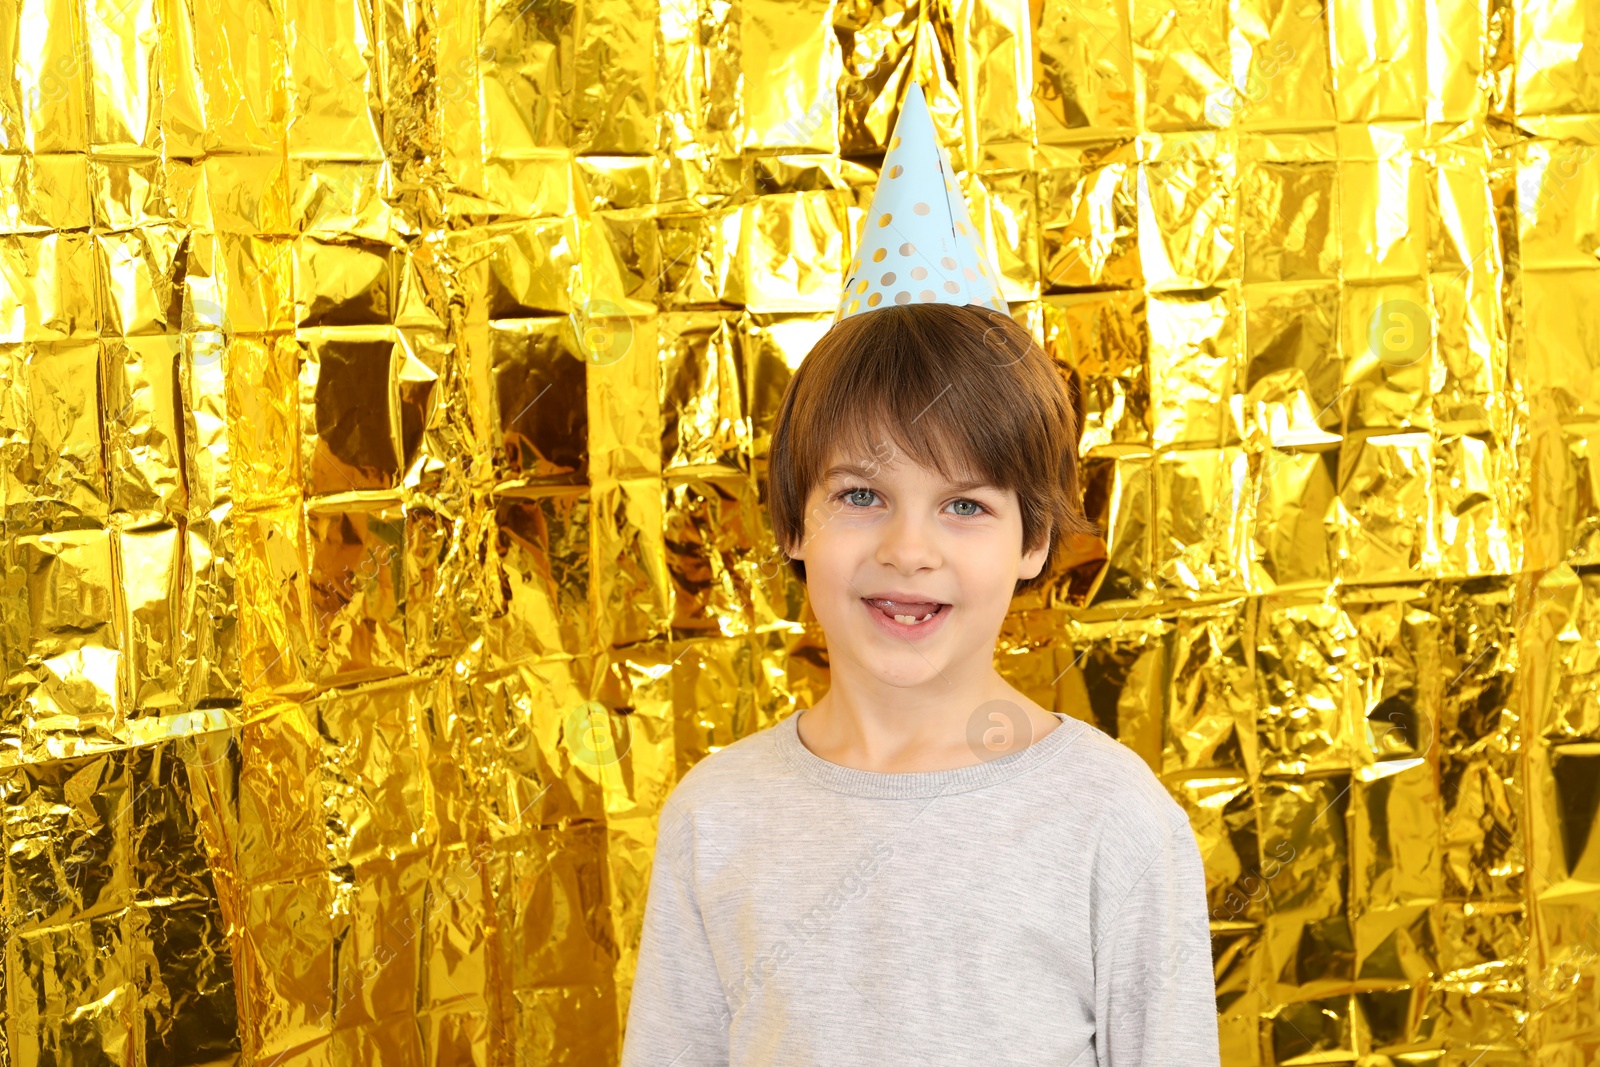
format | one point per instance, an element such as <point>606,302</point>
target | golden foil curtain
<point>386,387</point>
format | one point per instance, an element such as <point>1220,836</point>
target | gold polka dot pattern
<point>919,228</point>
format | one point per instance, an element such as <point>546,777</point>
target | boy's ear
<point>1033,562</point>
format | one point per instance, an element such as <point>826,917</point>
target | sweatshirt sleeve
<point>678,1013</point>
<point>1155,994</point>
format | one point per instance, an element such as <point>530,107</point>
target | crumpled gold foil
<point>387,391</point>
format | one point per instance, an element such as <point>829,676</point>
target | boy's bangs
<point>888,426</point>
<point>913,390</point>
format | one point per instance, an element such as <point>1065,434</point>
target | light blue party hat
<point>918,244</point>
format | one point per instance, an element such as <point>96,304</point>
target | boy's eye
<point>862,498</point>
<point>852,496</point>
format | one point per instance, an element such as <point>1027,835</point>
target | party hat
<point>918,244</point>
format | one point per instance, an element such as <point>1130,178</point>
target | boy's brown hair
<point>961,389</point>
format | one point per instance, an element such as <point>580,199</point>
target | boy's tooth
<point>884,605</point>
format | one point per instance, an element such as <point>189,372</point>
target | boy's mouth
<point>906,612</point>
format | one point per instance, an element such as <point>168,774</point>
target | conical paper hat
<point>918,245</point>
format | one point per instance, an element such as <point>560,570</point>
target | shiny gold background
<point>386,391</point>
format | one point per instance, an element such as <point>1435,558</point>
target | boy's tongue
<point>891,608</point>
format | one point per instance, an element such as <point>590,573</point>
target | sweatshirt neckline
<point>900,784</point>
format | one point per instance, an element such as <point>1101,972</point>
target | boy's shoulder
<point>1108,784</point>
<point>735,774</point>
<point>1113,784</point>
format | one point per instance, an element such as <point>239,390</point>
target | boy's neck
<point>864,724</point>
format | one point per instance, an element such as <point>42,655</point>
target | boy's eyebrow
<point>849,470</point>
<point>854,471</point>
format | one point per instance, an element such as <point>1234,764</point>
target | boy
<point>925,867</point>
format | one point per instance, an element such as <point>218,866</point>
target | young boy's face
<point>880,531</point>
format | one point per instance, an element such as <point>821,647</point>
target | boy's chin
<point>905,668</point>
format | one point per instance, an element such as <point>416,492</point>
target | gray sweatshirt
<point>1046,908</point>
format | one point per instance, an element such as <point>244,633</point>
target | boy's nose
<point>908,544</point>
